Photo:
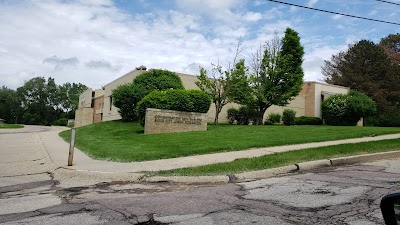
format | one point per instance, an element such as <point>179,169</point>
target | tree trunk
<point>261,116</point>
<point>217,111</point>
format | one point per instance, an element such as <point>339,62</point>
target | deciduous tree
<point>68,97</point>
<point>217,84</point>
<point>10,107</point>
<point>276,76</point>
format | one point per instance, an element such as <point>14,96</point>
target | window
<point>110,102</point>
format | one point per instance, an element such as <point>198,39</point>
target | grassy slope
<point>120,141</point>
<point>287,158</point>
<point>8,126</point>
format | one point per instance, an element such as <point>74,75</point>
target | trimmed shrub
<point>268,122</point>
<point>157,79</point>
<point>126,96</point>
<point>246,115</point>
<point>232,115</point>
<point>346,110</point>
<point>61,122</point>
<point>274,117</point>
<point>243,116</point>
<point>179,100</point>
<point>288,116</point>
<point>305,120</point>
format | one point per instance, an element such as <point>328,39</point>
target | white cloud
<point>311,3</point>
<point>94,43</point>
<point>373,12</point>
<point>252,16</point>
<point>221,10</point>
<point>336,16</point>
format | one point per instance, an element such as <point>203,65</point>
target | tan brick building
<point>90,108</point>
<point>96,105</point>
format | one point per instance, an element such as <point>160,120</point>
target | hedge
<point>243,116</point>
<point>179,100</point>
<point>305,120</point>
<point>274,117</point>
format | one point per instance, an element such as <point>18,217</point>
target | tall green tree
<point>10,107</point>
<point>38,101</point>
<point>276,75</point>
<point>367,68</point>
<point>68,97</point>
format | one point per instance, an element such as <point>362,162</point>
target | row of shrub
<point>306,120</point>
<point>244,116</point>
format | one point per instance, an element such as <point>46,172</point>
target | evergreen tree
<point>364,67</point>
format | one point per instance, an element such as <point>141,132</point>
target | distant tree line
<point>372,69</point>
<point>40,101</point>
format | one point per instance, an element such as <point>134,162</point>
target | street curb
<point>314,164</point>
<point>107,176</point>
<point>188,179</point>
<point>364,158</point>
<point>260,174</point>
<point>268,173</point>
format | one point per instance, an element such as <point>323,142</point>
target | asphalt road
<point>30,194</point>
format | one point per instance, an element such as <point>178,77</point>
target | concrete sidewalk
<point>57,149</point>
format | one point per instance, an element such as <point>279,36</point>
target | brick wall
<point>83,117</point>
<point>98,109</point>
<point>308,92</point>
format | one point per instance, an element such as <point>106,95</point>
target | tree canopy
<point>219,85</point>
<point>275,75</point>
<point>9,105</point>
<point>127,96</point>
<point>372,69</point>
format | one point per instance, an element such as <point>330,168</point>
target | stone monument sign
<point>169,121</point>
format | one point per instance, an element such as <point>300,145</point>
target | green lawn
<point>286,158</point>
<point>119,141</point>
<point>9,126</point>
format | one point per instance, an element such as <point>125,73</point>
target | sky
<point>94,42</point>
